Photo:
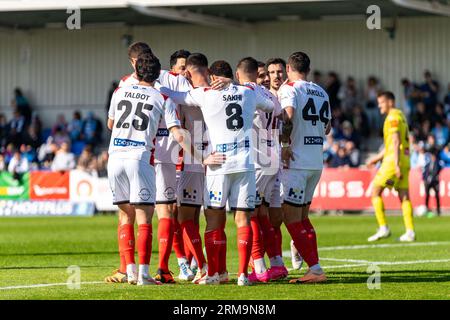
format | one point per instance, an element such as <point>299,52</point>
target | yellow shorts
<point>386,178</point>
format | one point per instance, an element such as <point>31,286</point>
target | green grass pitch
<point>37,251</point>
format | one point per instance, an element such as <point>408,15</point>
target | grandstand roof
<point>28,14</point>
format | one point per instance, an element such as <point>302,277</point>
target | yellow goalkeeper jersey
<point>396,122</point>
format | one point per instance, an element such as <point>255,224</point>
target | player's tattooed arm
<point>183,137</point>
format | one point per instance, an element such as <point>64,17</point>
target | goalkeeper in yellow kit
<point>394,170</point>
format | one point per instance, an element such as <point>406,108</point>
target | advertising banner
<point>14,189</point>
<point>49,185</point>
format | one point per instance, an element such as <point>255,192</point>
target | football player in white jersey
<point>306,121</point>
<point>120,275</point>
<point>228,115</point>
<point>182,252</point>
<point>134,117</point>
<point>166,157</point>
<point>192,175</point>
<point>266,155</point>
<point>263,76</point>
<point>271,205</point>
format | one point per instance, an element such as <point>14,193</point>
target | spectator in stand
<point>64,160</point>
<point>431,142</point>
<point>430,175</point>
<point>92,130</point>
<point>447,100</point>
<point>353,154</point>
<point>347,133</point>
<point>420,115</point>
<point>332,87</point>
<point>348,94</point>
<point>75,127</point>
<point>444,155</point>
<point>61,136</point>
<point>4,131</point>
<point>429,91</point>
<point>32,138</point>
<point>29,153</point>
<point>317,78</point>
<point>341,159</point>
<point>9,153</point>
<point>361,124</point>
<point>418,156</point>
<point>36,123</point>
<point>60,125</point>
<point>18,165</point>
<point>439,114</point>
<point>2,163</point>
<point>87,160</point>
<point>441,134</point>
<point>21,104</point>
<point>410,93</point>
<point>370,95</point>
<point>337,118</point>
<point>16,128</point>
<point>47,154</point>
<point>102,164</point>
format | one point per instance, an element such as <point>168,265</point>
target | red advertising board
<point>351,189</point>
<point>46,185</point>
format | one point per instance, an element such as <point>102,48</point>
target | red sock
<point>223,251</point>
<point>123,264</point>
<point>257,241</point>
<point>126,239</point>
<point>311,236</point>
<point>194,241</point>
<point>244,243</point>
<point>178,245</point>
<point>144,243</point>
<point>211,243</point>
<point>302,243</point>
<point>278,242</point>
<point>165,239</point>
<point>268,236</point>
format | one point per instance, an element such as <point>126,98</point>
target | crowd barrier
<point>78,193</point>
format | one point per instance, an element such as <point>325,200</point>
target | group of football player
<point>198,136</point>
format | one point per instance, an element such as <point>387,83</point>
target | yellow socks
<point>378,205</point>
<point>408,215</point>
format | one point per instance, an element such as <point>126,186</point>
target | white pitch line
<point>385,245</point>
<point>42,285</point>
<point>346,260</point>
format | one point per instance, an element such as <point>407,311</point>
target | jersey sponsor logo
<point>295,193</point>
<point>313,140</point>
<point>144,194</point>
<point>189,194</point>
<point>169,193</point>
<point>118,142</point>
<point>270,143</point>
<point>162,133</point>
<point>226,147</point>
<point>215,195</point>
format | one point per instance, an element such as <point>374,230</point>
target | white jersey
<point>228,115</point>
<point>312,113</point>
<point>192,120</point>
<point>166,149</point>
<point>137,111</point>
<point>266,148</point>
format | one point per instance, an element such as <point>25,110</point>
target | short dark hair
<point>147,67</point>
<point>276,61</point>
<point>221,68</point>
<point>197,60</point>
<point>178,55</point>
<point>261,64</point>
<point>137,48</point>
<point>248,65</point>
<point>387,94</point>
<point>299,61</point>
